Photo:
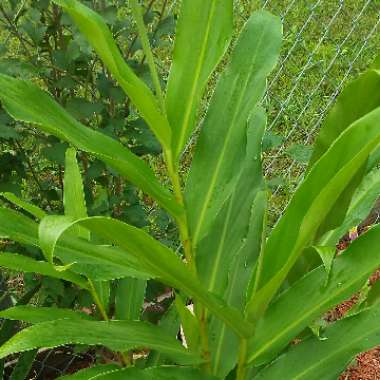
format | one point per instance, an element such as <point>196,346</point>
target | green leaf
<point>90,373</point>
<point>73,192</point>
<point>8,133</point>
<point>229,231</point>
<point>116,335</point>
<point>271,140</point>
<point>305,301</point>
<point>28,207</point>
<point>312,202</point>
<point>208,25</point>
<point>315,359</point>
<point>373,295</point>
<point>189,323</point>
<point>18,227</point>
<point>360,97</point>
<point>327,254</point>
<point>73,200</point>
<point>170,323</point>
<point>22,263</point>
<point>81,108</point>
<point>8,328</point>
<point>96,262</point>
<point>129,298</point>
<point>55,153</point>
<point>26,102</point>
<point>144,39</point>
<point>226,256</point>
<point>158,373</point>
<point>33,314</point>
<point>221,146</point>
<point>23,366</point>
<point>103,294</point>
<point>299,153</point>
<point>152,256</point>
<point>99,36</point>
<point>362,202</point>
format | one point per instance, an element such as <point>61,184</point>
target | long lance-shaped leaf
<point>223,342</point>
<point>226,256</point>
<point>73,192</point>
<point>24,365</point>
<point>170,322</point>
<point>359,98</point>
<point>129,298</point>
<point>116,335</point>
<point>9,328</point>
<point>230,228</point>
<point>189,323</point>
<point>100,262</point>
<point>28,207</point>
<point>362,202</point>
<point>152,256</point>
<point>26,264</point>
<point>99,36</point>
<point>310,297</point>
<point>157,373</point>
<point>26,102</point>
<point>222,142</point>
<point>317,359</point>
<point>310,205</point>
<point>75,206</point>
<point>208,25</point>
<point>33,314</point>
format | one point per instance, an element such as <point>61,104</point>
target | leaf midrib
<point>215,267</point>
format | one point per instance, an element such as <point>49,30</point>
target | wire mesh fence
<point>326,43</point>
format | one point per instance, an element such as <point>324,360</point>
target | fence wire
<point>326,43</point>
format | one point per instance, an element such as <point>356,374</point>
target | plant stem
<point>241,369</point>
<point>182,220</point>
<point>138,16</point>
<point>183,226</point>
<point>125,357</point>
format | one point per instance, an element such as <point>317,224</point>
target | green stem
<point>184,231</point>
<point>138,16</point>
<point>125,357</point>
<point>242,369</point>
<point>182,219</point>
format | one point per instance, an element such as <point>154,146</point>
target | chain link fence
<point>326,43</point>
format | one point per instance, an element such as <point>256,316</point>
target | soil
<point>367,367</point>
